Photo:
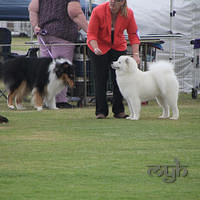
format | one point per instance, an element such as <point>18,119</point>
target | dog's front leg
<point>37,99</point>
<point>11,96</point>
<point>136,105</point>
<point>51,103</point>
<point>130,109</point>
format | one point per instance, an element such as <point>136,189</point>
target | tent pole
<point>171,17</point>
<point>172,14</point>
<point>90,6</point>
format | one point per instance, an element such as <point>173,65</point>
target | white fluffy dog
<point>158,83</point>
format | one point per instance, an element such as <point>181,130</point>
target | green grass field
<point>19,44</point>
<point>68,154</point>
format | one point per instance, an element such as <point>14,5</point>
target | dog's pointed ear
<point>127,61</point>
<point>69,66</point>
<point>57,71</point>
<point>66,63</point>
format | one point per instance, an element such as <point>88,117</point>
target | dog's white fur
<point>54,87</point>
<point>158,83</point>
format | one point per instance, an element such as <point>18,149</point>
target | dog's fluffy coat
<point>136,86</point>
<point>44,77</point>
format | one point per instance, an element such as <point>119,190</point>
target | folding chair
<point>5,39</point>
<point>2,93</point>
<point>5,42</point>
<point>5,50</point>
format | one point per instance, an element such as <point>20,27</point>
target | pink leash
<point>43,33</point>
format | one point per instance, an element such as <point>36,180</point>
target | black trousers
<point>102,66</point>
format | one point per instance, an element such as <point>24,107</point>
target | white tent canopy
<point>154,16</point>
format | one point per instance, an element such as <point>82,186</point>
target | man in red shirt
<point>106,41</point>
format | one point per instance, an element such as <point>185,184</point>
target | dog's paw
<point>11,107</point>
<point>174,118</point>
<point>54,108</point>
<point>20,107</point>
<point>163,117</point>
<point>132,118</point>
<point>135,118</point>
<point>39,108</point>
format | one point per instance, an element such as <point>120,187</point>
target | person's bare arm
<point>33,14</point>
<point>135,50</point>
<point>76,14</point>
<point>95,47</point>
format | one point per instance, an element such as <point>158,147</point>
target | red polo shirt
<point>99,29</point>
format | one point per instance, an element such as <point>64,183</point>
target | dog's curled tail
<point>162,71</point>
<point>162,66</point>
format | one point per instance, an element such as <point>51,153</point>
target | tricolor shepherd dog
<point>158,83</point>
<point>44,77</point>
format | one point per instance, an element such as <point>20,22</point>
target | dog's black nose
<point>113,66</point>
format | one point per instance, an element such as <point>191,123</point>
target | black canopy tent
<point>14,10</point>
<point>17,10</point>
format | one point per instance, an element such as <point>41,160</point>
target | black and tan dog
<point>44,77</point>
